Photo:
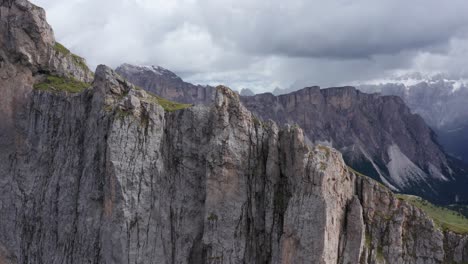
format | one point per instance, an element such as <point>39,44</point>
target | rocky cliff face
<point>378,135</point>
<point>28,52</point>
<point>108,176</point>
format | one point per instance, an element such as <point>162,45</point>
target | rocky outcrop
<point>378,135</point>
<point>108,176</point>
<point>397,232</point>
<point>167,84</point>
<point>102,180</point>
<point>28,51</point>
<point>29,41</point>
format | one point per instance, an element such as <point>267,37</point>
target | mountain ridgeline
<point>167,84</point>
<point>378,135</point>
<point>94,169</point>
<point>442,103</point>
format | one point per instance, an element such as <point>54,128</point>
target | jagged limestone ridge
<point>87,184</point>
<point>199,185</point>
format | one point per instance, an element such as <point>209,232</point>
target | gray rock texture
<point>109,176</point>
<point>27,52</point>
<point>378,135</point>
<point>28,40</point>
<point>96,181</point>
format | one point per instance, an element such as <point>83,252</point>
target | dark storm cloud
<point>264,44</point>
<point>337,29</point>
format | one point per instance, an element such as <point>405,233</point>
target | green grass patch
<point>380,255</point>
<point>212,217</point>
<point>61,84</point>
<point>168,105</point>
<point>121,114</point>
<point>368,241</point>
<point>445,218</point>
<point>61,49</point>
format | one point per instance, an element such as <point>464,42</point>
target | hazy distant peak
<point>417,78</point>
<point>247,92</point>
<point>158,70</point>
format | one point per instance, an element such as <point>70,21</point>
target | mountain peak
<point>224,96</point>
<point>157,70</point>
<point>157,79</point>
<point>246,92</point>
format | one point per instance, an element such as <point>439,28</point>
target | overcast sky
<point>262,44</point>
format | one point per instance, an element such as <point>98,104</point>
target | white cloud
<point>264,44</point>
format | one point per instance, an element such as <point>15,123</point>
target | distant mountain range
<point>442,103</point>
<point>165,83</point>
<point>378,135</point>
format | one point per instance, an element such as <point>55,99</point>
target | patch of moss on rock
<point>61,84</point>
<point>258,122</point>
<point>59,48</point>
<point>121,114</point>
<point>212,217</point>
<point>380,255</point>
<point>368,241</point>
<point>168,105</point>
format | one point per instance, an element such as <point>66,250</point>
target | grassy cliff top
<point>169,106</point>
<point>445,218</point>
<point>57,84</point>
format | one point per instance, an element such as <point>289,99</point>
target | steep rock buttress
<point>108,175</point>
